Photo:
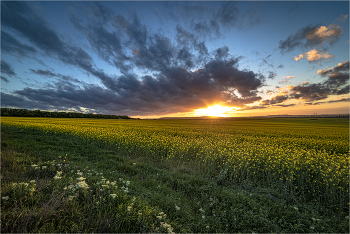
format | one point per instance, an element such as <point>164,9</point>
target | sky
<point>162,59</point>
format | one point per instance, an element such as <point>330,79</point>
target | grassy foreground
<point>56,181</point>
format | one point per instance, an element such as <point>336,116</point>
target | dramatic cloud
<point>340,100</point>
<point>48,73</point>
<point>171,83</point>
<point>136,69</point>
<point>274,100</point>
<point>7,68</point>
<point>5,79</point>
<point>311,36</point>
<point>11,45</point>
<point>314,55</point>
<point>285,105</point>
<point>337,75</point>
<point>336,84</point>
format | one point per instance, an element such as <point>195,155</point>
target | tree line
<point>61,114</point>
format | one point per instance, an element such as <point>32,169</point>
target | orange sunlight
<point>217,111</point>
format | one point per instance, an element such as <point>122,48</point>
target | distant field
<point>307,158</point>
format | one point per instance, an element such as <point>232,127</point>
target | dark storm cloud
<point>221,53</point>
<point>274,100</point>
<point>11,45</point>
<point>252,107</point>
<point>7,68</point>
<point>18,15</point>
<point>43,72</point>
<point>295,40</point>
<point>48,73</point>
<point>311,36</point>
<point>172,87</point>
<point>340,100</point>
<point>312,103</point>
<point>175,89</point>
<point>8,100</point>
<point>4,79</point>
<point>315,92</point>
<point>336,84</point>
<point>310,92</point>
<point>284,105</point>
<point>158,55</point>
<point>344,90</point>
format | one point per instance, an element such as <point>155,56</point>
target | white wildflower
<point>82,184</point>
<point>81,178</point>
<point>43,167</point>
<point>177,208</point>
<point>113,195</point>
<point>5,198</point>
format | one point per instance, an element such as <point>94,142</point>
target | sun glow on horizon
<point>216,110</point>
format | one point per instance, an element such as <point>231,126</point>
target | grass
<point>191,199</point>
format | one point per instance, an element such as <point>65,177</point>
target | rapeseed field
<point>306,158</point>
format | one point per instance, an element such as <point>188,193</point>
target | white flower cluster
<point>45,165</point>
<point>164,225</point>
<point>127,183</point>
<point>36,167</point>
<point>130,207</point>
<point>24,187</point>
<point>58,175</point>
<point>106,184</point>
<point>80,184</point>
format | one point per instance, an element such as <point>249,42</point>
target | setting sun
<point>217,110</point>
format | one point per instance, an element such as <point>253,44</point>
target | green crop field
<point>212,175</point>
